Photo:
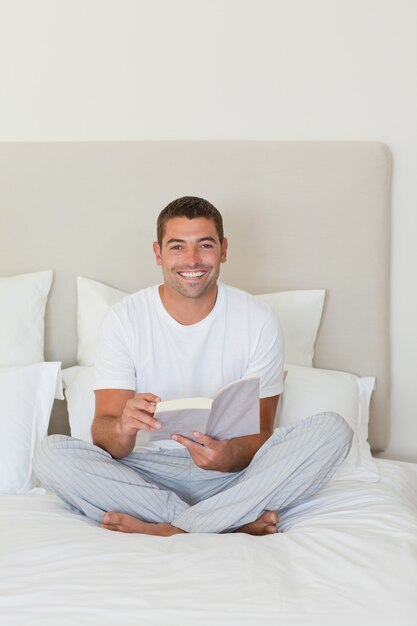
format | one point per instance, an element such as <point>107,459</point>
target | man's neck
<point>185,310</point>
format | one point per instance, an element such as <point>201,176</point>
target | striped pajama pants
<point>166,485</point>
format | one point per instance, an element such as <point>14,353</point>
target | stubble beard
<point>191,289</point>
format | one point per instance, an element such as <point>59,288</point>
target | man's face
<point>190,256</point>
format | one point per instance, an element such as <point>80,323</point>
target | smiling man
<point>189,336</point>
<point>190,252</point>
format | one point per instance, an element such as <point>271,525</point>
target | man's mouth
<point>190,275</point>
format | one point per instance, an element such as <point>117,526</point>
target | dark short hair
<point>189,207</point>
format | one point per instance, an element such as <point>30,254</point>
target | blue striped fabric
<point>166,486</point>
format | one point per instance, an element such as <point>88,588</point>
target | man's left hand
<point>209,453</point>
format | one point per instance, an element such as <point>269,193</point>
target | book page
<point>183,403</point>
<point>234,413</point>
<point>235,410</point>
<point>181,422</point>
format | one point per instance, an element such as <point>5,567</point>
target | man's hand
<point>231,455</point>
<point>209,453</point>
<point>138,414</point>
<point>120,414</point>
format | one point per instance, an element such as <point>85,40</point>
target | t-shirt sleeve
<point>267,361</point>
<point>114,367</point>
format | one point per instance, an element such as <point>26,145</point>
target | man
<point>189,337</point>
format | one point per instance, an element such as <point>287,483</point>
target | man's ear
<point>223,257</point>
<point>157,252</point>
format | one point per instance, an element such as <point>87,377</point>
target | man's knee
<point>50,446</point>
<point>327,426</point>
<point>334,435</point>
<point>48,454</point>
<point>341,428</point>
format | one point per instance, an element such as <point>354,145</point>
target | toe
<point>271,517</point>
<point>111,520</point>
<point>107,518</point>
<point>271,529</point>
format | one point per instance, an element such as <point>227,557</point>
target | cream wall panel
<point>231,69</point>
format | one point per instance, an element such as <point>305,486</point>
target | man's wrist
<point>236,456</point>
<point>243,449</point>
<point>108,434</point>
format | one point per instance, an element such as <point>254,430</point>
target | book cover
<point>233,412</point>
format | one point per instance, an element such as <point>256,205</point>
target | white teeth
<point>192,274</point>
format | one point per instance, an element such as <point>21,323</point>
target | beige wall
<point>231,69</point>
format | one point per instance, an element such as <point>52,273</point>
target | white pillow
<point>26,398</point>
<point>22,312</point>
<point>94,300</point>
<point>299,313</point>
<point>308,391</point>
<point>78,389</point>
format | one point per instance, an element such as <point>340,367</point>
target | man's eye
<point>178,247</point>
<point>207,245</point>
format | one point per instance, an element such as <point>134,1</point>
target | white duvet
<point>347,557</point>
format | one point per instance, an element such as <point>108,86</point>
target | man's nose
<point>193,256</point>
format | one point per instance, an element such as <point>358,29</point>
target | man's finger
<point>151,424</point>
<point>188,443</point>
<point>144,402</point>
<point>205,440</point>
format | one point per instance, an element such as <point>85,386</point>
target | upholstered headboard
<point>297,214</point>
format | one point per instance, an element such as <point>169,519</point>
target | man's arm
<point>234,454</point>
<point>119,415</point>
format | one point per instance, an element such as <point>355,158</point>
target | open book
<point>233,412</point>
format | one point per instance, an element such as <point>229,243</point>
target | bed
<point>308,225</point>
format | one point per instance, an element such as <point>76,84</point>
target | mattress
<point>348,556</point>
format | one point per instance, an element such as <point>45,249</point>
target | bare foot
<point>264,525</point>
<point>124,523</point>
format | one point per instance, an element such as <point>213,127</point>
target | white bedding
<point>347,557</point>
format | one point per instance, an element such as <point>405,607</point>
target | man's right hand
<point>138,414</point>
<point>120,414</point>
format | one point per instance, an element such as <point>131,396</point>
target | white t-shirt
<point>141,347</point>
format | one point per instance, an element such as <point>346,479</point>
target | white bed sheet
<point>347,557</point>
